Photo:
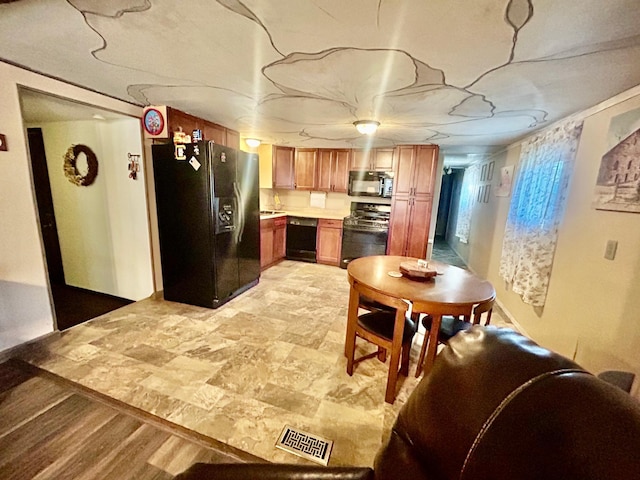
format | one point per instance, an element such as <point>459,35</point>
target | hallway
<point>444,253</point>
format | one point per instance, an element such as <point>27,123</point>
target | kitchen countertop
<point>308,213</point>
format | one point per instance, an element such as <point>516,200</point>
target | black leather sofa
<point>494,406</point>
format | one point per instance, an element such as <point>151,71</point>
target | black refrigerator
<point>208,204</point>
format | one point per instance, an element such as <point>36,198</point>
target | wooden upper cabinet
<point>283,167</point>
<point>306,168</point>
<point>216,133</point>
<point>360,159</point>
<point>403,179</point>
<point>325,170</point>
<point>425,169</point>
<point>341,170</point>
<point>177,120</point>
<point>383,159</point>
<point>233,139</point>
<point>415,169</point>
<point>374,159</point>
<point>333,170</point>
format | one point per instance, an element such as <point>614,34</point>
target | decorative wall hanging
<point>618,184</point>
<point>506,178</point>
<point>134,165</point>
<point>154,122</point>
<point>71,169</point>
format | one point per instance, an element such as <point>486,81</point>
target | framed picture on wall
<point>490,171</point>
<point>618,183</point>
<point>506,177</point>
<point>487,190</point>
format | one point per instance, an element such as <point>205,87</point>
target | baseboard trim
<point>512,319</point>
<point>16,350</point>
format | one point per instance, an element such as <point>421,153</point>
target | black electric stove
<point>365,231</point>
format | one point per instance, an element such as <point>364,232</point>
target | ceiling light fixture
<point>252,142</point>
<point>367,127</point>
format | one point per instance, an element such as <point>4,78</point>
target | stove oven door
<point>362,242</point>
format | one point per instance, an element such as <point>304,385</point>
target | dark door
<point>249,236</point>
<point>224,190</point>
<point>44,200</point>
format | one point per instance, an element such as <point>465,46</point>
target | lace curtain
<point>465,206</point>
<point>536,209</point>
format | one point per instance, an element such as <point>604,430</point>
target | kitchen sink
<point>270,212</point>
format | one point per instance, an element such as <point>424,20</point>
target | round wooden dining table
<point>452,291</point>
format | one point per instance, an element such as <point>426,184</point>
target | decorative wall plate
<point>153,121</point>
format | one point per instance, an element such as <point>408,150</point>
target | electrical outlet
<point>610,251</point>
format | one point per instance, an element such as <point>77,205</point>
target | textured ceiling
<point>469,76</point>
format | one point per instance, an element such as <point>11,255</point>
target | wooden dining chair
<point>454,319</point>
<point>379,327</point>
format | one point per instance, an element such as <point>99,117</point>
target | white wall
<point>593,304</point>
<point>25,309</point>
<point>103,228</point>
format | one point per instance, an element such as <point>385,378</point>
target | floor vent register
<point>305,445</point>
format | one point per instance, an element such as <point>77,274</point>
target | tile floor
<point>444,253</point>
<point>272,356</point>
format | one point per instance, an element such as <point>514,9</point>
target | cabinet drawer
<point>267,224</point>
<point>280,221</point>
<point>329,223</point>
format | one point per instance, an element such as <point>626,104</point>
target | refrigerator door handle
<point>239,211</point>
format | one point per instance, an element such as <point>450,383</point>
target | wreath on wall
<point>71,169</point>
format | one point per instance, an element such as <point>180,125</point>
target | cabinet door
<point>177,120</point>
<point>233,139</point>
<point>305,168</point>
<point>341,170</point>
<point>283,159</point>
<point>279,238</point>
<point>329,241</point>
<point>214,132</point>
<point>418,233</point>
<point>266,242</point>
<point>325,170</point>
<point>399,225</point>
<point>360,159</point>
<point>403,181</point>
<point>383,159</point>
<point>426,160</point>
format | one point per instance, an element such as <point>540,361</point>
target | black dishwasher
<point>301,238</point>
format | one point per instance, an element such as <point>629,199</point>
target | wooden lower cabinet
<point>409,226</point>
<point>329,241</point>
<point>272,240</point>
<point>280,238</point>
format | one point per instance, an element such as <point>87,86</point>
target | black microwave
<point>364,183</point>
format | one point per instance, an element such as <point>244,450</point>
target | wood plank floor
<point>53,428</point>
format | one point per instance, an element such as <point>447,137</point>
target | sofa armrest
<point>271,471</point>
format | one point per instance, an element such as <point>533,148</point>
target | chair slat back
<point>378,297</point>
<point>482,308</point>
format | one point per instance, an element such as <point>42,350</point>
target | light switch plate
<point>610,252</point>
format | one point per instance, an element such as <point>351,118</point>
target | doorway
<point>72,305</point>
<point>446,218</point>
